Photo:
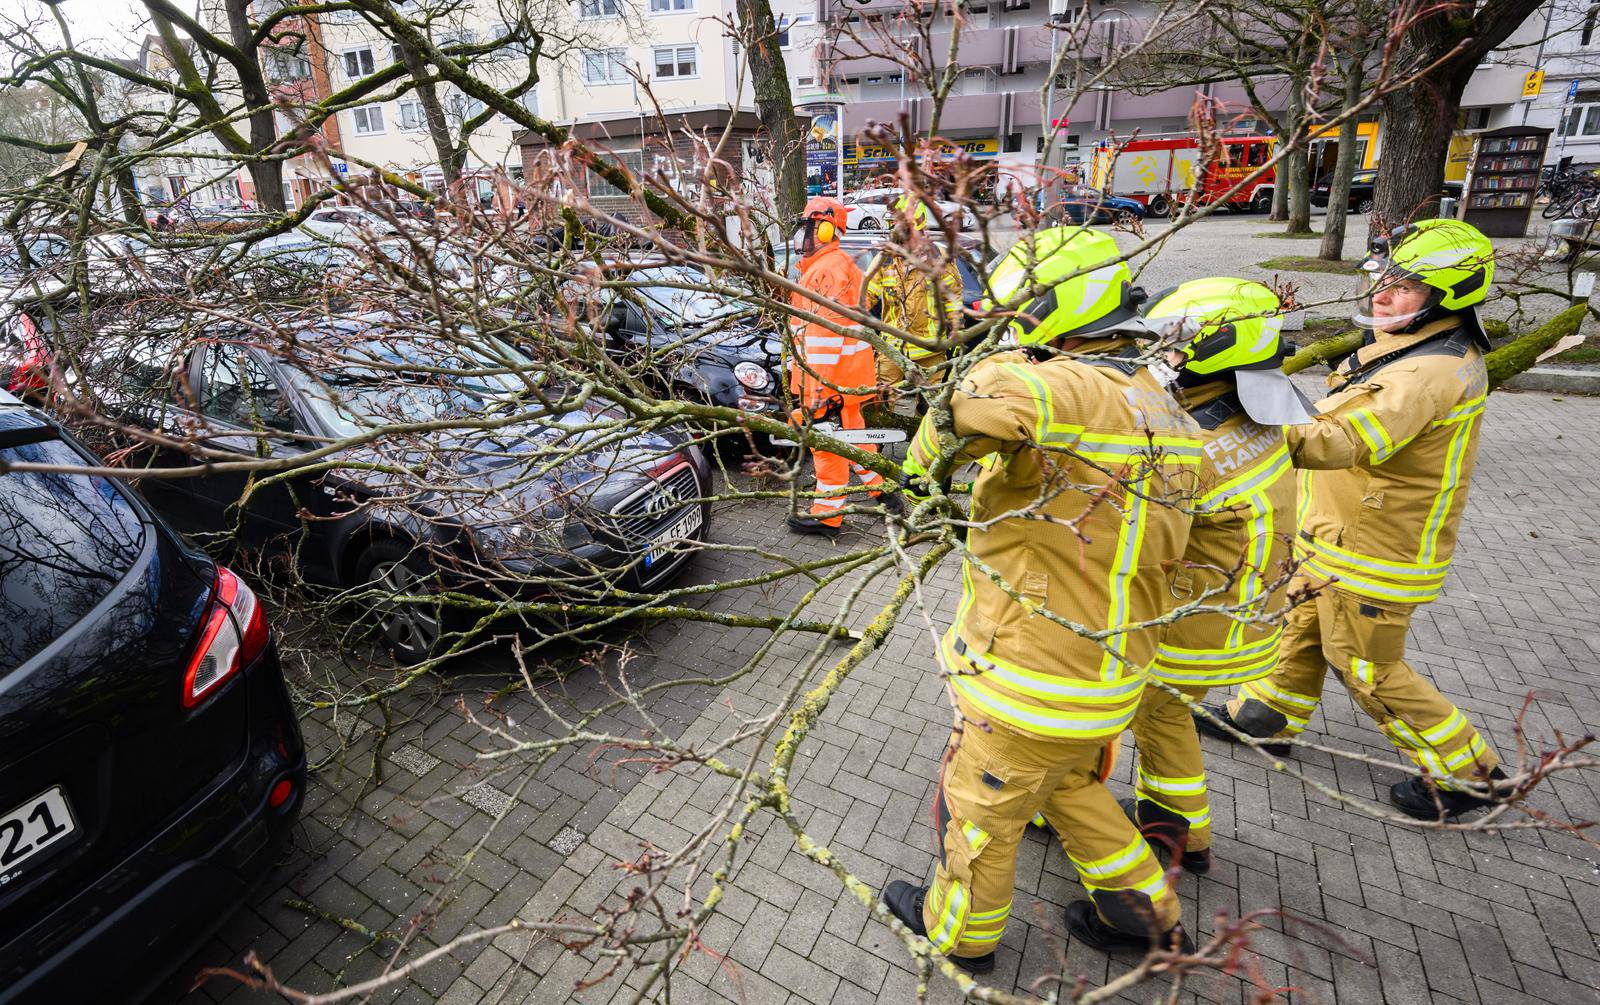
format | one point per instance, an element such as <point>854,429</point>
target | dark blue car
<point>1083,204</point>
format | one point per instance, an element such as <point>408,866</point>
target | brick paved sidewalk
<point>1375,913</point>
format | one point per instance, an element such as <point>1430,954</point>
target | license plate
<point>31,828</point>
<point>674,539</point>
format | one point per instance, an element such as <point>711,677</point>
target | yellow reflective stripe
<point>1043,685</point>
<point>1441,734</point>
<point>976,836</point>
<point>1233,672</point>
<point>1269,693</point>
<point>1120,861</point>
<point>1125,564</point>
<point>1419,570</point>
<point>1251,481</point>
<point>1189,785</point>
<point>1046,430</point>
<point>1362,669</point>
<point>1370,429</point>
<point>1469,409</point>
<point>1202,657</point>
<point>1258,542</point>
<point>1040,821</point>
<point>1302,502</point>
<point>952,919</point>
<point>985,917</point>
<point>1378,589</point>
<point>1154,887</point>
<point>1448,483</point>
<point>1042,720</point>
<point>1195,818</point>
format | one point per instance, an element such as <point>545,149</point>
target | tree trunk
<point>1344,168</point>
<point>775,105</point>
<point>1296,167</point>
<point>1280,194</point>
<point>451,158</point>
<point>266,172</point>
<point>1419,117</point>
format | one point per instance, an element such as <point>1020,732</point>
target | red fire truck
<point>1160,171</point>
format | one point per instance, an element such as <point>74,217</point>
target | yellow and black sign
<point>861,153</point>
<point>1532,84</point>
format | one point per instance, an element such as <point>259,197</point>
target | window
<point>805,81</point>
<point>605,66</point>
<point>785,23</point>
<point>411,116</point>
<point>285,64</point>
<point>369,120</point>
<point>179,186</point>
<point>874,80</point>
<point>894,78</point>
<point>598,8</point>
<point>1586,37</point>
<point>359,63</point>
<point>240,391</point>
<point>530,100</point>
<point>670,6</point>
<point>677,61</point>
<point>633,160</point>
<point>461,107</point>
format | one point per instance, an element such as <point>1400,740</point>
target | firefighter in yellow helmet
<point>1082,504</point>
<point>1227,356</point>
<point>919,297</point>
<point>1388,461</point>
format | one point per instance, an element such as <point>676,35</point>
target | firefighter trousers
<point>993,784</point>
<point>833,473</point>
<point>1363,641</point>
<point>1170,780</point>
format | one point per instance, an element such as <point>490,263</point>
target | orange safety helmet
<point>828,216</point>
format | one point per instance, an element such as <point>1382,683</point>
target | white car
<point>870,209</point>
<point>336,222</point>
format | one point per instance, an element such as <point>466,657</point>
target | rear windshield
<point>65,541</point>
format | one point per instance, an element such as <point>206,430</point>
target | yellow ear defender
<point>825,231</point>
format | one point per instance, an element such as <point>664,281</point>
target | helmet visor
<point>1389,298</point>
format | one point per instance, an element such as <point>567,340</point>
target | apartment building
<point>995,110</point>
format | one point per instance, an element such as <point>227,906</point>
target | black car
<point>151,765</point>
<point>1361,185</point>
<point>552,502</point>
<point>711,346</point>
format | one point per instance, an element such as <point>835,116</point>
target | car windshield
<point>410,379</point>
<point>695,306</point>
<point>65,541</point>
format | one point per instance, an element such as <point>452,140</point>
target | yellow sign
<point>1532,84</point>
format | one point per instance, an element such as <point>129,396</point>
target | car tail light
<point>234,634</point>
<point>280,793</point>
<point>28,372</point>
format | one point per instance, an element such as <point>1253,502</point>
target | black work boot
<point>893,503</point>
<point>1210,728</point>
<point>1083,921</point>
<point>905,903</point>
<point>811,525</point>
<point>1416,798</point>
<point>1164,838</point>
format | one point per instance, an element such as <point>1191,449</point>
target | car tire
<point>410,632</point>
<point>1159,207</point>
<point>1364,206</point>
<point>1262,203</point>
<point>869,223</point>
<point>1125,218</point>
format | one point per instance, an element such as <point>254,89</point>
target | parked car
<point>608,516</point>
<point>151,764</point>
<point>1361,186</point>
<point>713,349</point>
<point>341,222</point>
<point>1082,204</point>
<point>869,209</point>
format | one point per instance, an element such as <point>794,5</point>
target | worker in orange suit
<point>832,372</point>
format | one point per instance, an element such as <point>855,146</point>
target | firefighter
<point>1084,497</point>
<point>833,370</point>
<point>1228,358</point>
<point>922,299</point>
<point>1387,463</point>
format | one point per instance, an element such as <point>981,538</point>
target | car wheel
<point>1262,203</point>
<point>1160,206</point>
<point>869,223</point>
<point>1125,218</point>
<point>390,569</point>
<point>1364,206</point>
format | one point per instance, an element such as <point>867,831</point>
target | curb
<point>1561,379</point>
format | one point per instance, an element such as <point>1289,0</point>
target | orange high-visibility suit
<point>823,357</point>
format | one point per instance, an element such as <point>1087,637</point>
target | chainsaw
<point>826,420</point>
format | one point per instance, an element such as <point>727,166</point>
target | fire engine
<point>1160,171</point>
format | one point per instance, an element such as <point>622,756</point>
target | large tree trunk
<point>775,105</point>
<point>265,172</point>
<point>1297,168</point>
<point>1419,117</point>
<point>1280,194</point>
<point>1344,168</point>
<point>451,158</point>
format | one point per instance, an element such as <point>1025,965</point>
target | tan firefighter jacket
<point>910,299</point>
<point>1390,454</point>
<point>1239,545</point>
<point>1062,433</point>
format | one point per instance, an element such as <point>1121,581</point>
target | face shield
<point>1389,298</point>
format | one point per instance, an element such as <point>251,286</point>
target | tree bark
<point>769,78</point>
<point>451,158</point>
<point>1419,118</point>
<point>1344,168</point>
<point>265,172</point>
<point>1296,167</point>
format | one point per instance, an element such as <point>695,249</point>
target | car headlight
<point>752,375</point>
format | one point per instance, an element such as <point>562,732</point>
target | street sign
<point>1532,84</point>
<point>1572,90</point>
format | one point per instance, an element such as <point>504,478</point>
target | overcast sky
<point>114,25</point>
